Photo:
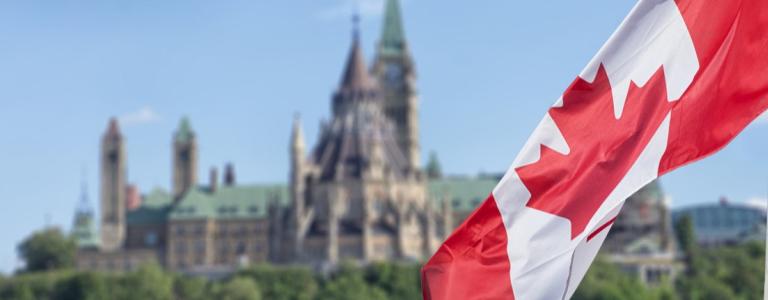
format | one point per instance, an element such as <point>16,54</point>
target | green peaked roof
<point>184,133</point>
<point>84,231</point>
<point>239,202</point>
<point>154,208</point>
<point>392,37</point>
<point>466,193</point>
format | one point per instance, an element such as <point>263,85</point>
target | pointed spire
<point>356,26</point>
<point>297,134</point>
<point>83,229</point>
<point>84,205</point>
<point>184,133</point>
<point>392,36</point>
<point>113,129</point>
<point>356,73</point>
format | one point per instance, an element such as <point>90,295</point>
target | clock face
<point>393,73</point>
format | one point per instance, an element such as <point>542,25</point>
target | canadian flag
<point>676,82</point>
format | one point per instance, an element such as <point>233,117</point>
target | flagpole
<point>765,278</point>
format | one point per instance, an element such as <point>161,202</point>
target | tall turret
<point>396,74</point>
<point>297,182</point>
<point>298,170</point>
<point>184,159</point>
<point>113,177</point>
<point>83,229</point>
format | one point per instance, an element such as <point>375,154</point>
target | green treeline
<point>150,282</point>
<point>734,272</point>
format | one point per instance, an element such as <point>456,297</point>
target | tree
<point>82,286</point>
<point>686,238</point>
<point>190,288</point>
<point>48,249</point>
<point>399,281</point>
<point>606,281</point>
<point>37,285</point>
<point>348,284</point>
<point>149,282</point>
<point>434,170</point>
<point>290,283</point>
<point>239,288</point>
<point>732,272</point>
<point>20,292</point>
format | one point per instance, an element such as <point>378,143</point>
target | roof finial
<point>84,184</point>
<point>356,24</point>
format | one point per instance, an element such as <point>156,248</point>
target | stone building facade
<point>359,194</point>
<point>641,240</point>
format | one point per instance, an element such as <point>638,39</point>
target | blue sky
<point>241,68</point>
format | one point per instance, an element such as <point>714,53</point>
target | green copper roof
<point>652,190</point>
<point>465,193</point>
<point>157,198</point>
<point>240,202</point>
<point>154,208</point>
<point>252,201</point>
<point>392,37</point>
<point>184,133</point>
<point>84,231</point>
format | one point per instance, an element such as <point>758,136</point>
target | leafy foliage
<point>283,283</point>
<point>606,281</point>
<point>725,273</point>
<point>190,288</point>
<point>239,288</point>
<point>149,282</point>
<point>687,241</point>
<point>433,168</point>
<point>46,250</point>
<point>85,286</point>
<point>399,281</point>
<point>348,284</point>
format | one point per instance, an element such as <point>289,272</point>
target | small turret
<point>229,174</point>
<point>213,179</point>
<point>434,169</point>
<point>83,227</point>
<point>296,179</point>
<point>184,159</point>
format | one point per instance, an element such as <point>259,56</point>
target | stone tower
<point>396,73</point>
<point>113,177</point>
<point>357,196</point>
<point>184,159</point>
<point>297,186</point>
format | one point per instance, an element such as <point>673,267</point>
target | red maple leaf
<point>602,148</point>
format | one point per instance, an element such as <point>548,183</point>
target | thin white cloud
<point>145,115</point>
<point>759,202</point>
<point>346,8</point>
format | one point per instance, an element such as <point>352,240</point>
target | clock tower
<point>113,177</point>
<point>395,71</point>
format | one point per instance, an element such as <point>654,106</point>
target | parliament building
<point>359,194</point>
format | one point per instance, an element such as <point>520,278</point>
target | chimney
<point>132,197</point>
<point>213,183</point>
<point>229,174</point>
